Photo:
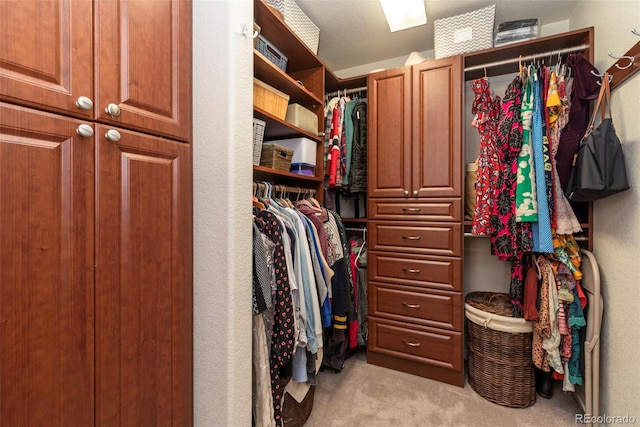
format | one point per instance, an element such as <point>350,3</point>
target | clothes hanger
<point>362,246</point>
<point>313,200</point>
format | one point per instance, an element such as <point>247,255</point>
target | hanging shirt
<point>542,238</point>
<point>526,199</point>
<point>486,110</point>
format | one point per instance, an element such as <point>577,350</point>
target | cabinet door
<point>143,281</point>
<point>389,133</point>
<point>46,272</point>
<point>143,65</point>
<point>46,54</point>
<point>437,140</point>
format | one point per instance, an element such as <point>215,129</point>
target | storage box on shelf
<point>271,52</point>
<point>299,22</point>
<point>304,154</point>
<point>276,156</point>
<point>258,137</point>
<point>302,118</point>
<point>270,99</point>
<point>464,33</point>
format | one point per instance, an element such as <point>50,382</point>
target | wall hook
<point>245,32</point>
<point>634,31</point>
<point>629,58</point>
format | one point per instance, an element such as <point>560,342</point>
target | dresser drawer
<point>416,237</point>
<point>440,309</point>
<point>423,210</point>
<point>416,343</point>
<point>415,270</point>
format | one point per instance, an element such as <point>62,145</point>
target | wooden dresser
<point>415,222</point>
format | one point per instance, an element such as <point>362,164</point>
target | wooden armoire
<point>95,213</point>
<point>415,217</point>
<point>415,220</point>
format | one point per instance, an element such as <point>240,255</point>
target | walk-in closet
<point>431,252</point>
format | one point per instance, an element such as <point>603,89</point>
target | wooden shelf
<point>279,129</point>
<point>525,48</point>
<point>263,173</point>
<point>268,72</point>
<point>273,28</point>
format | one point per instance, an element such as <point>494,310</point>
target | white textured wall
<point>222,151</point>
<point>617,218</point>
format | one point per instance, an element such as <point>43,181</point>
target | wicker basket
<point>276,157</point>
<point>295,414</point>
<point>270,99</point>
<point>500,368</point>
<point>258,136</point>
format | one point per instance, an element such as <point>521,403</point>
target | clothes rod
<point>346,91</point>
<point>528,57</point>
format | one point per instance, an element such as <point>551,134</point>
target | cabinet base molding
<point>452,377</point>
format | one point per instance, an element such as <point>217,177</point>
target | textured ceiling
<point>355,32</point>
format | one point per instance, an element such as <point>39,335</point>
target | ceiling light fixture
<point>403,14</point>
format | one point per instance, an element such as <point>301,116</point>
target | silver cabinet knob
<point>84,130</point>
<point>406,192</point>
<point>84,103</point>
<point>415,192</point>
<point>113,110</point>
<point>112,135</point>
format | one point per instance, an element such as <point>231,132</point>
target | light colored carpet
<point>368,395</point>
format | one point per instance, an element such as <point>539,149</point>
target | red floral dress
<point>486,110</point>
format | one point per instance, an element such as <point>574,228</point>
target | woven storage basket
<point>258,136</point>
<point>276,157</point>
<point>270,99</point>
<point>500,368</point>
<point>295,414</point>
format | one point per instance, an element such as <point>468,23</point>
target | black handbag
<point>598,166</point>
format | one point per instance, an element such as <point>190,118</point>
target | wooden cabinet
<point>96,261</point>
<point>415,220</point>
<point>46,273</point>
<point>139,65</point>
<point>414,133</point>
<point>143,270</point>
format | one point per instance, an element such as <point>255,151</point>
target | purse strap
<point>604,101</point>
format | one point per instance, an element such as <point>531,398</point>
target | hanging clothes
<point>486,111</point>
<point>557,105</point>
<point>585,88</point>
<point>542,238</point>
<point>526,199</point>
<point>282,344</point>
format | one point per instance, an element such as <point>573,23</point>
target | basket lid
<point>491,302</point>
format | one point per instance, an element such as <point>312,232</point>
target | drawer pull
<point>411,270</point>
<point>411,344</point>
<point>411,305</point>
<point>412,237</point>
<point>411,209</point>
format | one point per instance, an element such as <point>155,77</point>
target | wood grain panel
<point>143,65</point>
<point>46,54</point>
<point>437,128</point>
<point>415,210</point>
<point>426,238</point>
<point>46,273</point>
<point>429,346</point>
<point>389,133</point>
<point>143,282</point>
<point>416,270</point>
<point>440,309</point>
